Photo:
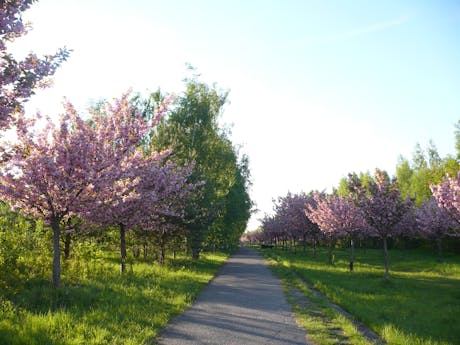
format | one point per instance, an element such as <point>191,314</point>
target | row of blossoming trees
<point>373,209</point>
<point>94,170</point>
<point>123,166</point>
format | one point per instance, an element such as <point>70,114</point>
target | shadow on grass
<point>418,301</point>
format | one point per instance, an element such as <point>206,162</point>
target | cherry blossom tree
<point>18,79</point>
<point>53,173</point>
<point>148,193</point>
<point>272,229</point>
<point>290,212</point>
<point>435,223</point>
<point>48,171</point>
<point>382,207</point>
<point>447,195</point>
<point>336,217</point>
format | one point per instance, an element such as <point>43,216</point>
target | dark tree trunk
<point>162,258</point>
<point>162,254</point>
<point>136,251</point>
<point>314,248</point>
<point>195,253</point>
<point>55,226</point>
<point>67,240</point>
<point>122,248</point>
<point>385,254</point>
<point>145,250</point>
<point>352,256</point>
<point>331,254</point>
<point>439,245</point>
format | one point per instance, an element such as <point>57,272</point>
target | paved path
<point>243,305</point>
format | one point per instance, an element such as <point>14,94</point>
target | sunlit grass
<point>105,308</point>
<point>420,304</point>
<point>323,324</point>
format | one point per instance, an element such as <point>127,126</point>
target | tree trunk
<point>68,238</point>
<point>352,256</point>
<point>295,248</point>
<point>439,245</point>
<point>145,250</point>
<point>331,255</point>
<point>314,248</point>
<point>162,249</point>
<point>55,226</point>
<point>385,254</point>
<point>162,254</point>
<point>122,248</point>
<point>195,253</point>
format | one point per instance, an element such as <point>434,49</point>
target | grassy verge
<point>104,308</point>
<point>323,324</point>
<point>421,304</point>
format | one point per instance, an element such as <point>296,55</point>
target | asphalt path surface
<point>243,305</point>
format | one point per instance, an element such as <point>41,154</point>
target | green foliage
<point>342,189</point>
<point>25,248</point>
<point>457,139</point>
<point>404,174</point>
<point>192,131</point>
<point>419,306</point>
<point>414,178</point>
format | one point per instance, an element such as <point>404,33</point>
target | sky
<point>318,89</point>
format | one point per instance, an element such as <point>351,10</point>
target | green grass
<point>420,304</point>
<point>104,308</point>
<point>323,324</point>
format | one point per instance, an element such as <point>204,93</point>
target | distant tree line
<point>420,204</point>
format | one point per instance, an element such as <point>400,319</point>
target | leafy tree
<point>457,139</point>
<point>447,195</point>
<point>238,204</point>
<point>55,172</point>
<point>382,207</point>
<point>426,168</point>
<point>404,174</point>
<point>336,217</point>
<point>290,212</point>
<point>435,223</point>
<point>192,131</point>
<point>18,79</point>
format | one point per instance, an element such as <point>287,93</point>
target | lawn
<point>420,304</point>
<point>104,307</point>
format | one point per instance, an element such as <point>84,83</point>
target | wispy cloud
<point>372,28</point>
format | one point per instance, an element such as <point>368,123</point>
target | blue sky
<point>317,88</point>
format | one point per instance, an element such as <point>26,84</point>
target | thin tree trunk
<point>195,253</point>
<point>439,245</point>
<point>352,257</point>
<point>314,248</point>
<point>295,248</point>
<point>162,254</point>
<point>162,249</point>
<point>68,238</point>
<point>122,248</point>
<point>385,254</point>
<point>55,226</point>
<point>145,250</point>
<point>331,256</point>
